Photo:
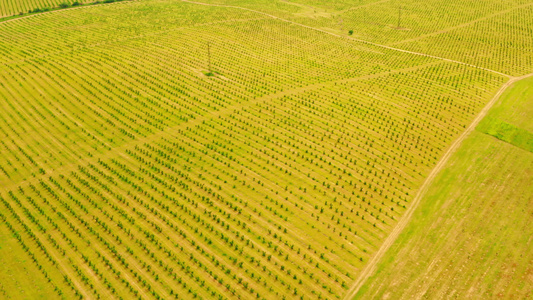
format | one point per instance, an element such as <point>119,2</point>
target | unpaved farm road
<point>369,268</point>
<point>351,38</point>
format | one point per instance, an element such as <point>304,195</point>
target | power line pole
<point>399,15</point>
<point>209,55</point>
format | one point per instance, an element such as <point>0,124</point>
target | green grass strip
<point>507,132</point>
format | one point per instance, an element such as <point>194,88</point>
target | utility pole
<point>399,16</point>
<point>209,55</point>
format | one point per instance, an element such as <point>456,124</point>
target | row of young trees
<point>207,208</point>
<point>71,101</point>
<point>275,178</point>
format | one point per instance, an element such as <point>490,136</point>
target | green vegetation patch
<point>470,236</point>
<point>507,132</point>
<point>161,149</point>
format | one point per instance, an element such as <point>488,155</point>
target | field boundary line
<point>369,268</point>
<point>351,38</point>
<point>288,21</point>
<point>461,25</point>
<point>119,150</point>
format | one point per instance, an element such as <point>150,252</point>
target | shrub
<point>64,5</point>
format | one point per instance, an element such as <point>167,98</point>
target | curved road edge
<point>368,270</point>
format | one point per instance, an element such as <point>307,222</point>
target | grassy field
<point>515,106</point>
<point>136,163</point>
<point>510,121</point>
<point>471,237</point>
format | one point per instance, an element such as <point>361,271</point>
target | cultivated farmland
<point>447,250</point>
<point>10,8</point>
<point>168,149</point>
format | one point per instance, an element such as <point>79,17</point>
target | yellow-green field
<point>136,163</point>
<point>14,8</point>
<point>472,236</point>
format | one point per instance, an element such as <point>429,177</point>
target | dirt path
<point>168,132</point>
<point>301,25</point>
<point>351,38</point>
<point>462,25</point>
<point>368,270</point>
